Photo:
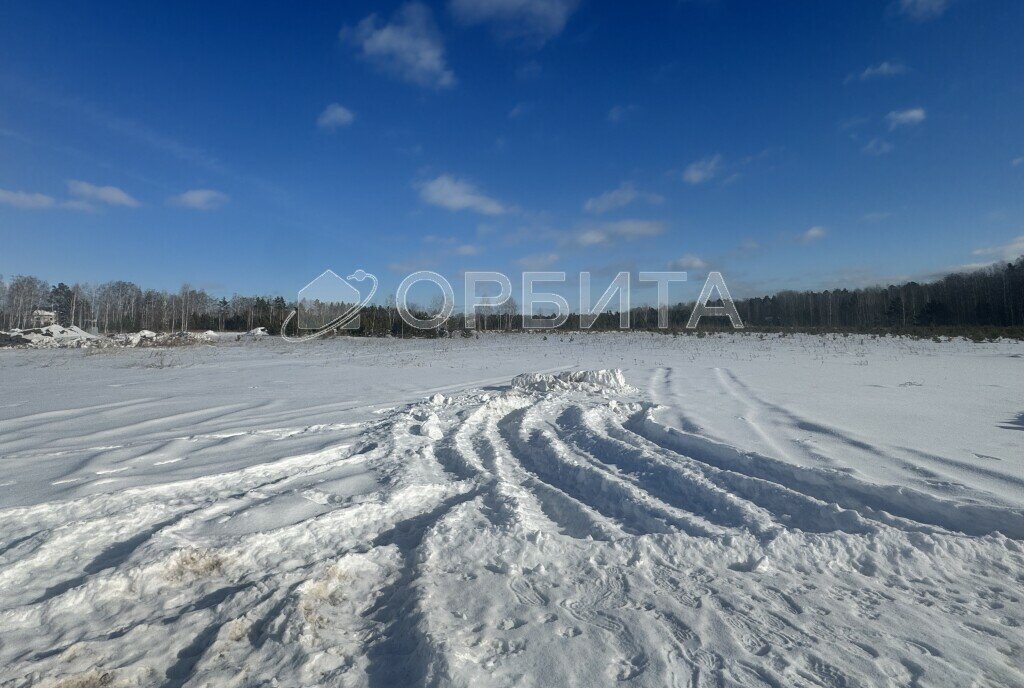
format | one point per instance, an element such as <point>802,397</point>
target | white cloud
<point>606,232</point>
<point>335,115</point>
<point>200,199</point>
<point>609,200</point>
<point>880,70</point>
<point>592,237</point>
<point>905,118</point>
<point>1009,251</point>
<point>409,46</point>
<point>625,194</point>
<point>813,234</point>
<point>923,10</point>
<point>540,261</point>
<point>25,200</point>
<point>877,147</point>
<point>619,113</point>
<point>1017,162</point>
<point>688,262</point>
<point>468,250</point>
<point>111,195</point>
<point>536,20</point>
<point>703,170</point>
<point>452,193</point>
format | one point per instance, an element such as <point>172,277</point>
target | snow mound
<point>52,336</point>
<point>574,379</point>
<point>145,338</point>
<point>135,338</point>
<point>257,333</point>
<point>59,337</point>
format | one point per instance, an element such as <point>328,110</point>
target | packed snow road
<point>514,511</point>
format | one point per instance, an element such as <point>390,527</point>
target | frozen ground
<point>729,511</point>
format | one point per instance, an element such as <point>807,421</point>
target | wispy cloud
<point>813,234</point>
<point>24,200</point>
<point>876,216</point>
<point>620,197</point>
<point>905,118</point>
<point>607,232</point>
<point>110,195</point>
<point>200,199</point>
<point>688,262</point>
<point>127,128</point>
<point>620,112</point>
<point>877,147</point>
<point>153,139</point>
<point>1017,162</point>
<point>704,170</point>
<point>468,250</point>
<point>408,47</point>
<point>335,115</point>
<point>1008,251</point>
<point>879,71</point>
<point>533,20</point>
<point>452,193</point>
<point>538,261</point>
<point>923,10</point>
<point>851,123</point>
<point>609,200</point>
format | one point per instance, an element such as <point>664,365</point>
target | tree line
<point>992,297</point>
<point>121,306</point>
<point>989,297</point>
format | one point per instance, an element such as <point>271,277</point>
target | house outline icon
<point>328,287</point>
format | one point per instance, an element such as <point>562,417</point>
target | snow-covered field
<point>730,510</point>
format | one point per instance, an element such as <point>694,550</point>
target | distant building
<point>43,318</point>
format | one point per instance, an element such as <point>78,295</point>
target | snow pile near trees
<point>742,512</point>
<point>52,336</point>
<point>134,338</point>
<point>59,337</point>
<point>145,338</point>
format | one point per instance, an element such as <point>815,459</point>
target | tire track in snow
<point>542,453</point>
<point>896,506</point>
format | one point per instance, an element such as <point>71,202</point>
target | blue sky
<point>248,146</point>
